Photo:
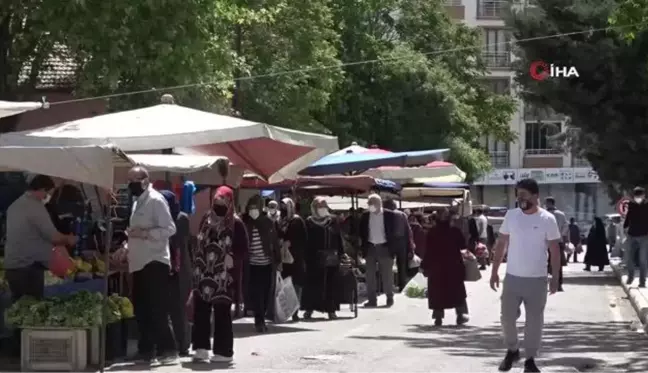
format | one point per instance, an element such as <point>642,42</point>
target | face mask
<point>373,209</point>
<point>638,199</point>
<point>322,211</point>
<point>47,198</point>
<point>283,212</point>
<point>219,210</point>
<point>272,211</point>
<point>254,213</point>
<point>524,204</point>
<point>136,188</point>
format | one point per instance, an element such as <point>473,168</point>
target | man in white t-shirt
<point>526,233</point>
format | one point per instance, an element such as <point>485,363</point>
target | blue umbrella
<point>360,162</point>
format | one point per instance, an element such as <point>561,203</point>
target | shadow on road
<point>591,279</point>
<point>245,330</point>
<point>574,338</point>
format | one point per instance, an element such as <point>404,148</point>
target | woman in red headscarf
<point>222,241</point>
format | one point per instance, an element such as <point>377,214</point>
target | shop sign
<point>541,175</point>
<point>502,177</point>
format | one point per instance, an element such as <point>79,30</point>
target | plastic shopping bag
<point>60,263</point>
<point>415,262</point>
<point>472,269</point>
<point>286,300</point>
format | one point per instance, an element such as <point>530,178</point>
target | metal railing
<point>580,162</point>
<point>496,60</point>
<point>543,152</point>
<point>500,159</point>
<point>491,9</point>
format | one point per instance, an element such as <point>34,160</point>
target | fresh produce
<point>51,279</point>
<point>415,291</point>
<point>82,266</point>
<point>79,310</point>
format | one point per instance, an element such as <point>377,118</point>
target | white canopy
<point>85,164</point>
<point>169,126</point>
<point>446,172</point>
<point>338,203</point>
<point>201,169</point>
<point>9,108</point>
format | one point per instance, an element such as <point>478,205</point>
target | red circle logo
<point>539,70</point>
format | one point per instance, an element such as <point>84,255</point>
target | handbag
<point>415,262</point>
<point>472,269</point>
<point>286,256</point>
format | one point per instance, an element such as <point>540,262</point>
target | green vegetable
<point>415,291</point>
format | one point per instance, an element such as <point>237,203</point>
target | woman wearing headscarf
<point>293,237</point>
<point>597,254</point>
<point>263,260</point>
<point>180,273</point>
<point>322,256</point>
<point>222,240</point>
<point>418,233</point>
<point>273,211</point>
<point>443,266</point>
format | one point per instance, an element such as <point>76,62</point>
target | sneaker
<point>168,359</point>
<point>462,320</point>
<point>184,353</point>
<point>332,316</point>
<point>201,356</point>
<point>371,304</point>
<point>221,359</point>
<point>629,280</point>
<point>390,302</point>
<point>145,359</point>
<point>511,358</point>
<point>308,315</point>
<point>530,366</point>
<point>642,285</point>
<point>295,317</point>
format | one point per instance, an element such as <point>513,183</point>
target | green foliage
<point>413,97</point>
<point>630,17</point>
<point>607,103</point>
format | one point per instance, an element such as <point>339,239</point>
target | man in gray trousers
<point>526,233</point>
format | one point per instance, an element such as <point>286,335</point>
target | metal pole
<point>104,309</point>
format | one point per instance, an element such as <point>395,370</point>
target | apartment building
<point>569,179</point>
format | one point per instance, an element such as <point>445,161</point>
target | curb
<point>637,299</point>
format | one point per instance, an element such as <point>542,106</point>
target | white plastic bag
<point>415,262</point>
<point>286,300</point>
<point>570,248</point>
<point>418,281</point>
<point>472,269</point>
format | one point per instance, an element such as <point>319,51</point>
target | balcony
<point>455,9</point>
<point>491,9</point>
<point>500,159</point>
<point>536,113</point>
<point>580,162</point>
<point>497,60</point>
<point>543,158</point>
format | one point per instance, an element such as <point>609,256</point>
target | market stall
<point>88,273</point>
<point>10,108</point>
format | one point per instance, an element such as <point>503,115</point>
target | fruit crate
<point>53,349</point>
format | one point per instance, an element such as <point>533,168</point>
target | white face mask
<point>322,211</point>
<point>47,199</point>
<point>373,209</point>
<point>254,213</point>
<point>638,199</point>
<point>272,211</point>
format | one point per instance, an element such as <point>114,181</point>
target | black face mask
<point>136,188</point>
<point>220,210</point>
<point>525,204</point>
<point>283,212</point>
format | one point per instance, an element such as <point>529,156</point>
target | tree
<point>409,98</point>
<point>607,103</point>
<point>297,35</point>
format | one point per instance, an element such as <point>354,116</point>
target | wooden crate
<point>54,349</point>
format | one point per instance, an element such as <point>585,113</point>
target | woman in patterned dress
<point>222,241</point>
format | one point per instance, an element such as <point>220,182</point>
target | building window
<point>500,86</point>
<point>498,151</point>
<point>497,48</point>
<point>538,137</point>
<point>491,9</point>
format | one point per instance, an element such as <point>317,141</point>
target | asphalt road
<point>590,327</point>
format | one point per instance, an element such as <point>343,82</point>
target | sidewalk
<point>638,297</point>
